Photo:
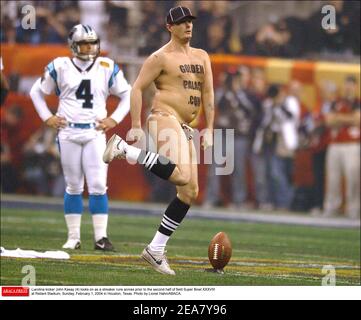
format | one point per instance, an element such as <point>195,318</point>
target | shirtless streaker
<point>184,82</point>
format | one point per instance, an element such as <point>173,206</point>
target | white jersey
<point>83,94</point>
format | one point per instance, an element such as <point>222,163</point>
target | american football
<point>219,251</point>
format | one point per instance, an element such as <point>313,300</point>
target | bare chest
<point>184,70</point>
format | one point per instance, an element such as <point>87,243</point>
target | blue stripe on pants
<point>73,203</point>
<point>98,204</point>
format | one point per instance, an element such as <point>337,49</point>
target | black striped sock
<point>173,216</point>
<point>159,165</point>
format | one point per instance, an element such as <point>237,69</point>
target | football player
<point>83,84</point>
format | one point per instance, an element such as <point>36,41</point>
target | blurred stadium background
<point>298,50</point>
<point>281,42</point>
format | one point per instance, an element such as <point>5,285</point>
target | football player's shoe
<point>72,244</point>
<point>158,261</point>
<point>104,244</point>
<point>115,149</point>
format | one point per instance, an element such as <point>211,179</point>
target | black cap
<point>177,14</point>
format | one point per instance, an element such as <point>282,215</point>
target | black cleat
<point>104,244</point>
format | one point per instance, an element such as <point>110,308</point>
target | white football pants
<point>81,152</point>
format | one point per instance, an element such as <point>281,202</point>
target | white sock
<point>159,242</point>
<point>132,153</point>
<point>100,223</point>
<point>73,222</point>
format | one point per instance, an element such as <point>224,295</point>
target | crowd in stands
<point>53,21</point>
<point>270,123</point>
<point>143,24</point>
<point>271,126</point>
<point>33,168</point>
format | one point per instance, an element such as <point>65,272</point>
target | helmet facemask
<point>86,56</point>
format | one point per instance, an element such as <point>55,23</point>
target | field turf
<point>263,254</point>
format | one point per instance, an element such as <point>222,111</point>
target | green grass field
<point>263,254</point>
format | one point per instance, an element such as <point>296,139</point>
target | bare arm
<point>208,94</point>
<point>150,70</point>
<point>208,101</point>
<point>334,119</point>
